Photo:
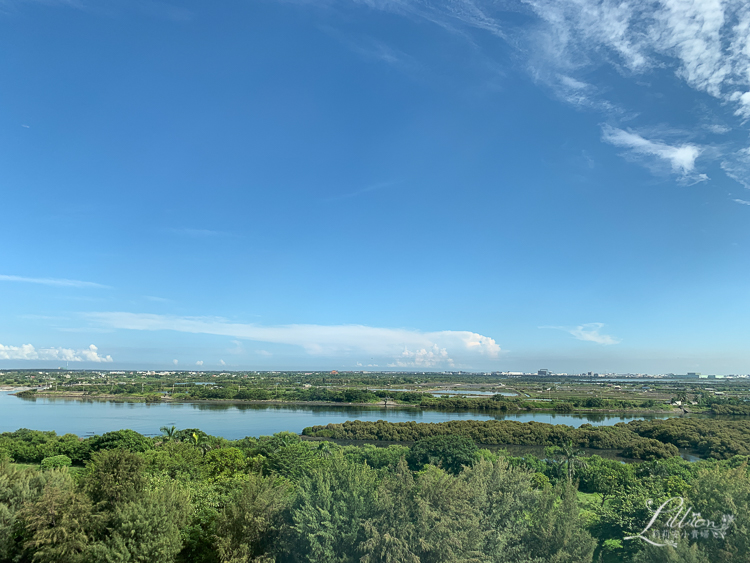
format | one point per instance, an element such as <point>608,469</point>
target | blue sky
<point>376,184</point>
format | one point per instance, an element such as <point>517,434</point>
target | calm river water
<point>230,421</point>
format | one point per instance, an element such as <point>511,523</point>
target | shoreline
<point>79,395</point>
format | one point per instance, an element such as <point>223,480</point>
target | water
<point>441,392</point>
<point>231,421</point>
<point>472,393</point>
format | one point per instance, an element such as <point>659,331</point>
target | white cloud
<point>704,45</point>
<point>175,362</point>
<point>199,363</point>
<point>52,281</point>
<point>423,358</point>
<point>222,362</point>
<point>588,332</point>
<point>29,352</point>
<point>742,201</point>
<point>718,129</point>
<point>737,166</point>
<point>319,340</point>
<point>450,15</point>
<point>680,158</point>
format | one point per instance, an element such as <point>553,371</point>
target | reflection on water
<point>233,421</point>
<point>454,392</point>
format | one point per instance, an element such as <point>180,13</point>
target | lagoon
<point>233,421</point>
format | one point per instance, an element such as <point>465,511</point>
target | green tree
<point>250,525</point>
<point>557,533</point>
<point>57,521</point>
<point>427,520</point>
<point>225,462</point>
<point>719,491</point>
<point>19,487</point>
<point>168,432</point>
<point>186,435</point>
<point>145,530</point>
<point>392,533</point>
<point>331,506</point>
<point>114,476</point>
<point>683,553</point>
<point>607,477</point>
<point>56,462</point>
<point>179,460</point>
<point>448,523</point>
<point>296,460</point>
<point>503,496</point>
<point>121,440</point>
<point>568,457</point>
<point>449,452</point>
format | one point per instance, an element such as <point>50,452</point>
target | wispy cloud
<point>741,201</point>
<point>29,352</point>
<point>401,345</point>
<point>565,43</point>
<point>718,129</point>
<point>152,8</point>
<point>589,332</point>
<point>452,15</point>
<point>374,49</point>
<point>703,42</point>
<point>157,299</point>
<point>379,51</point>
<point>60,282</point>
<point>681,158</point>
<point>362,191</point>
<point>737,166</point>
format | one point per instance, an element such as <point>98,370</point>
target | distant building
<point>544,372</point>
<point>696,375</point>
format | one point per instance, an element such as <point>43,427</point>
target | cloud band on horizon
<point>29,352</point>
<point>406,348</point>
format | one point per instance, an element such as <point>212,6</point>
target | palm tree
<point>572,458</point>
<point>325,449</point>
<point>168,432</point>
<point>202,443</point>
<point>567,456</point>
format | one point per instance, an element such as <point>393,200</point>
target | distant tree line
<point>638,439</point>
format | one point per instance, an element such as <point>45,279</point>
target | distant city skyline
<point>356,185</point>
